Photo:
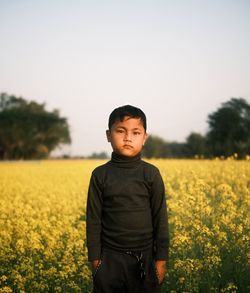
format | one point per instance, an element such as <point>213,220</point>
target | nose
<point>127,137</point>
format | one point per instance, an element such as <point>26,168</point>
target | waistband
<point>134,252</point>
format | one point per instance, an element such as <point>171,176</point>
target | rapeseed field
<point>42,225</point>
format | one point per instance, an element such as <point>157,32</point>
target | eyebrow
<point>136,128</point>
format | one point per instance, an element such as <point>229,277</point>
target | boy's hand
<point>94,264</point>
<point>160,266</point>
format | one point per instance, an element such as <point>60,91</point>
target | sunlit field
<point>42,225</point>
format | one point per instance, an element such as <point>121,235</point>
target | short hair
<point>120,113</point>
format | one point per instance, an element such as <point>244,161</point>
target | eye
<point>119,130</point>
<point>137,133</point>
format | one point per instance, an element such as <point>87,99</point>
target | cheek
<point>116,139</point>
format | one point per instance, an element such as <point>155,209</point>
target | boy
<point>127,228</point>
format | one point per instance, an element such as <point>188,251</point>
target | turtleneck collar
<point>125,162</point>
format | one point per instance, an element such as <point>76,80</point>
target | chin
<point>128,153</point>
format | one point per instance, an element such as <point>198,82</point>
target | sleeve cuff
<point>94,253</point>
<point>162,254</point>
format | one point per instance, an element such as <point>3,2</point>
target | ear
<point>145,138</point>
<point>108,135</point>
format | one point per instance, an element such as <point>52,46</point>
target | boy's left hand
<point>160,266</point>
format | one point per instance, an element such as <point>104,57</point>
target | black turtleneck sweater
<point>126,208</point>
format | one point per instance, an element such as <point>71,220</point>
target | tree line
<point>29,131</point>
<point>228,135</point>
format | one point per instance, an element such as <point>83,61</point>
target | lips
<point>127,146</point>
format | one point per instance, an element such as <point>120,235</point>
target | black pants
<point>119,272</point>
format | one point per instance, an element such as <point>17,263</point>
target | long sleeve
<point>160,218</point>
<point>94,216</point>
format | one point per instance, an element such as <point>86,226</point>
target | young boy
<point>127,227</point>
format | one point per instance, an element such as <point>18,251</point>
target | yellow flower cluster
<point>43,220</point>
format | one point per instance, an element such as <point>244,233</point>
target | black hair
<point>120,113</point>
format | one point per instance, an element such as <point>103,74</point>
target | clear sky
<point>178,60</point>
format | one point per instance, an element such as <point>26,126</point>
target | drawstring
<point>140,262</point>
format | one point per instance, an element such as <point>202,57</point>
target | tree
<point>229,128</point>
<point>155,147</point>
<point>177,150</point>
<point>99,156</point>
<point>27,130</point>
<point>196,144</point>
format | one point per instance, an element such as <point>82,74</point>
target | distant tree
<point>177,150</point>
<point>155,147</point>
<point>28,130</point>
<point>100,156</point>
<point>229,128</point>
<point>196,145</point>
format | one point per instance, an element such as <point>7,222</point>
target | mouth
<point>127,146</point>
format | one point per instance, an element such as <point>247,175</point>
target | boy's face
<point>127,137</point>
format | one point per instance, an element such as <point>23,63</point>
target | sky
<point>177,60</point>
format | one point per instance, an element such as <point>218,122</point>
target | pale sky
<point>177,60</point>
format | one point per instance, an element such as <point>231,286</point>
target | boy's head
<point>120,113</point>
<point>127,130</point>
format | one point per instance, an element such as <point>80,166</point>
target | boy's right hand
<point>95,263</point>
